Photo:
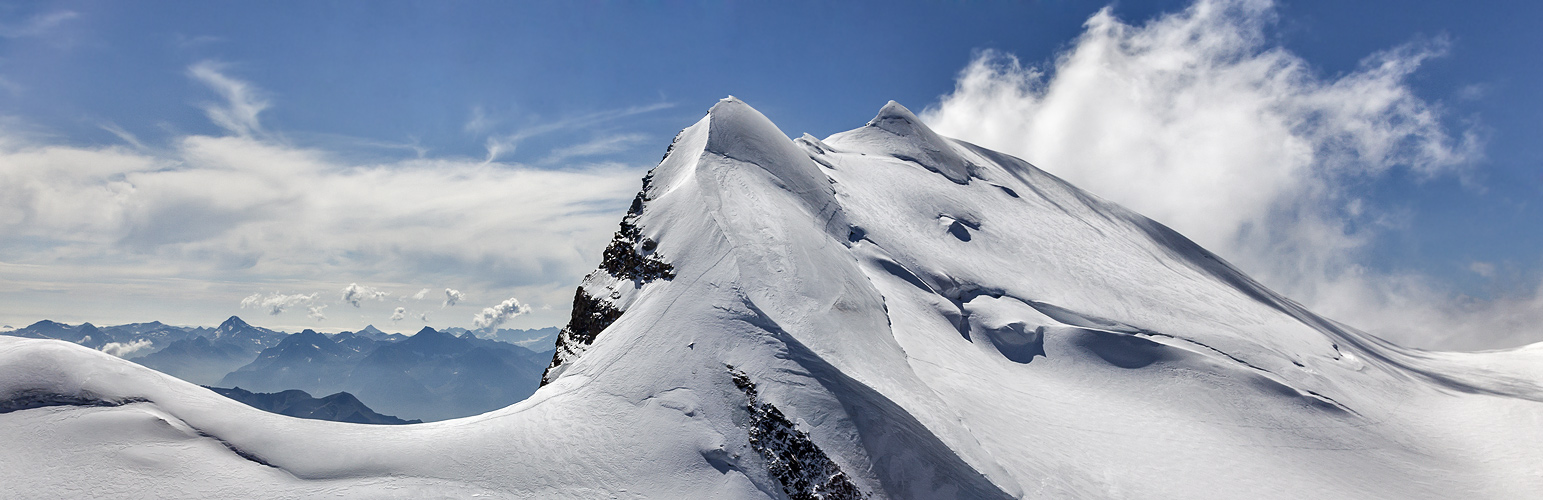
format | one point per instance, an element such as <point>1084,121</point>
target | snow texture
<point>924,317</point>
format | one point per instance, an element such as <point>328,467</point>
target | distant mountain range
<point>535,339</point>
<point>431,375</point>
<point>206,357</point>
<point>100,338</point>
<point>340,407</point>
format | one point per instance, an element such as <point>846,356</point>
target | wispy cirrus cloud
<point>122,134</point>
<point>242,101</point>
<point>598,146</point>
<point>37,25</point>
<point>479,122</point>
<point>1199,120</point>
<point>500,145</point>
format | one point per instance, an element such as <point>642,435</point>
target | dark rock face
<point>590,316</point>
<point>630,256</point>
<point>340,407</point>
<point>805,472</point>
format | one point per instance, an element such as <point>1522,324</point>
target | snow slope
<point>884,313</point>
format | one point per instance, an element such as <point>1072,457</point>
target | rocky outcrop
<point>805,472</point>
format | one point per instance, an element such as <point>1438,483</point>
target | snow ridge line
<point>33,399</point>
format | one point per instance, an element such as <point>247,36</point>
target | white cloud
<point>399,314</point>
<point>275,303</point>
<point>500,145</point>
<point>491,317</point>
<point>598,146</point>
<point>317,312</point>
<point>452,296</point>
<point>1199,121</point>
<point>1472,92</point>
<point>421,294</point>
<point>238,113</point>
<point>123,350</point>
<point>355,293</point>
<point>37,25</point>
<point>479,121</point>
<point>127,137</point>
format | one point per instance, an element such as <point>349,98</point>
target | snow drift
<point>886,313</point>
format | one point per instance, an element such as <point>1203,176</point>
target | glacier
<point>884,313</point>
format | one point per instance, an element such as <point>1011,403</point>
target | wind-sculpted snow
<point>920,317</point>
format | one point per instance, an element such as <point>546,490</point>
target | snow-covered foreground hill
<point>885,313</point>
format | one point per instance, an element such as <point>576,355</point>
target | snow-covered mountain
<point>886,313</point>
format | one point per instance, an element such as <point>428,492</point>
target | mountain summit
<point>885,313</point>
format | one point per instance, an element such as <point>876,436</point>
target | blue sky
<point>286,150</point>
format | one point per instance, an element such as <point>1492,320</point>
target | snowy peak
<point>739,132</point>
<point>896,132</point>
<point>232,324</point>
<point>899,120</point>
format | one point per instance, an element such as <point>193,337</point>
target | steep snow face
<point>886,313</point>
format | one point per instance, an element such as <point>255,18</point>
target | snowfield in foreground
<point>886,313</point>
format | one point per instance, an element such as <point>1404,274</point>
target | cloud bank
<point>275,303</point>
<point>123,350</point>
<point>1198,120</point>
<point>492,317</point>
<point>205,215</point>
